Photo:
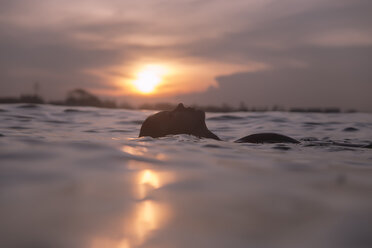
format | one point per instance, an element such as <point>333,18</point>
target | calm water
<point>80,177</point>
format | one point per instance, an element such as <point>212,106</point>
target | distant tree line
<point>76,97</point>
<point>242,108</point>
<point>81,97</point>
<point>23,99</point>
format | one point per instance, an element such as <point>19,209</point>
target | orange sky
<point>176,77</point>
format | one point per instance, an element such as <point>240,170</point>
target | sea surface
<point>80,177</point>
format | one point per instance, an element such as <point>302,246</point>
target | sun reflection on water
<point>136,151</point>
<point>148,180</point>
<point>149,177</point>
<point>148,218</point>
<point>143,152</point>
<point>147,215</point>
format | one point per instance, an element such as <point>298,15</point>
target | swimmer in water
<point>191,121</point>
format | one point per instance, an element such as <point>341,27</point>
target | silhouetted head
<point>181,120</point>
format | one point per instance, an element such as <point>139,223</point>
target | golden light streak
<point>135,151</point>
<point>143,152</point>
<point>150,178</point>
<point>145,217</point>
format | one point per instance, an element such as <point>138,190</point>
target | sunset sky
<point>293,53</point>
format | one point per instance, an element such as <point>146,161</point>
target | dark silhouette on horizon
<point>191,121</point>
<point>23,99</point>
<point>82,97</point>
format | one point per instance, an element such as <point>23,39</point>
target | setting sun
<point>148,78</point>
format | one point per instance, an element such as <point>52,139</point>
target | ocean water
<point>80,177</point>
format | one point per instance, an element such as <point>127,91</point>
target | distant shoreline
<point>81,97</point>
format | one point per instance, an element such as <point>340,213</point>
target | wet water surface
<point>80,177</point>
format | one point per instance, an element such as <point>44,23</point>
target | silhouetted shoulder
<point>368,146</point>
<point>267,138</point>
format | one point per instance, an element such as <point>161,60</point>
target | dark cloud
<point>336,78</point>
<point>278,37</point>
<point>306,69</point>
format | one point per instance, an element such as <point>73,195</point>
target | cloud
<point>337,77</point>
<point>343,38</point>
<point>92,43</point>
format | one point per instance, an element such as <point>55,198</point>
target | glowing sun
<point>148,78</point>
